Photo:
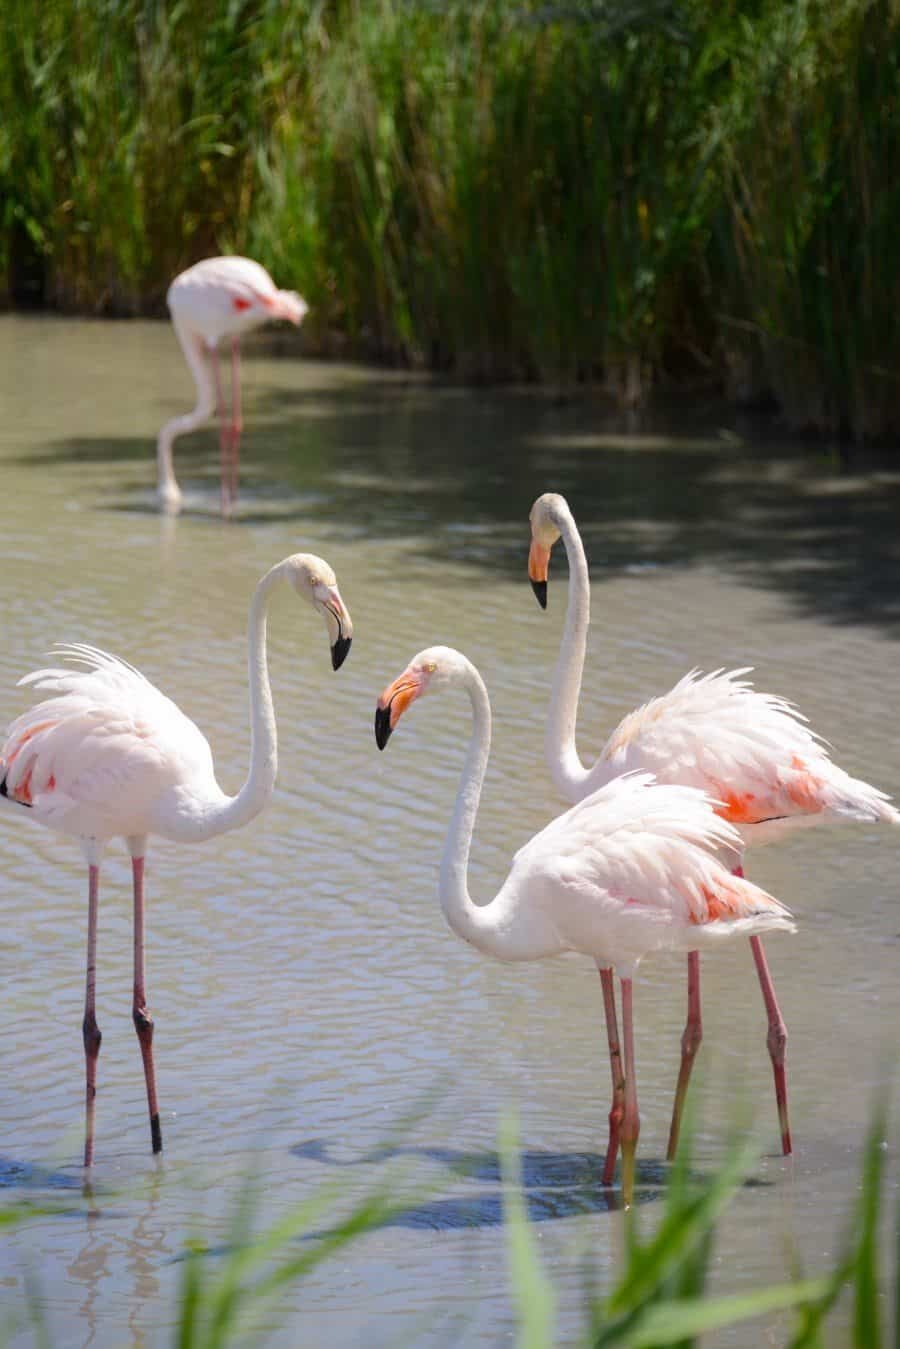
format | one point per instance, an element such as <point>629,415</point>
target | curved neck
<point>195,355</point>
<point>488,926</point>
<point>568,772</point>
<point>257,790</point>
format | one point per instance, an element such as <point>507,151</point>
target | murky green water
<point>307,994</point>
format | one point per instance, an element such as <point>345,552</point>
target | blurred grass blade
<point>866,1308</point>
<point>667,1323</point>
<point>682,1228</point>
<point>531,1289</point>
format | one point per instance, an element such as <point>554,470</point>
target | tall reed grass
<point>640,192</point>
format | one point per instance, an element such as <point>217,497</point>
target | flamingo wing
<point>102,745</point>
<point>753,751</point>
<point>634,862</point>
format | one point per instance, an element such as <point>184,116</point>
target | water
<point>310,1003</point>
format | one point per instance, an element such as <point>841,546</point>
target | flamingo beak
<point>339,652</point>
<point>340,627</point>
<point>393,703</point>
<point>538,563</point>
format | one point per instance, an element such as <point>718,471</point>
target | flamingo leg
<point>224,434</point>
<point>90,1031</point>
<point>776,1041</point>
<point>690,1043</point>
<point>143,1021</point>
<point>237,423</point>
<point>617,1109</point>
<point>631,1120</point>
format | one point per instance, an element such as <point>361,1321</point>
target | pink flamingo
<point>108,755</point>
<point>631,869</point>
<point>215,299</point>
<point>750,751</point>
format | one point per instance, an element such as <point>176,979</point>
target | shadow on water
<point>555,1185</point>
<point>455,471</point>
<point>21,1175</point>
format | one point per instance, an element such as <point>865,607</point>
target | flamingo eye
<point>430,667</point>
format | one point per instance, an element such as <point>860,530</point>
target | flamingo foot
<point>90,1033</point>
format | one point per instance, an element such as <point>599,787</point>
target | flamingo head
<point>544,517</point>
<point>432,669</point>
<point>313,579</point>
<point>291,306</point>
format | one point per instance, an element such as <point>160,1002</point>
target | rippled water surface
<point>316,1021</point>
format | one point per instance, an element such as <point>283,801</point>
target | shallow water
<point>311,1006</point>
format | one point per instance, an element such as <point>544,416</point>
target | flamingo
<point>215,299</point>
<point>631,869</point>
<point>108,755</point>
<point>751,751</point>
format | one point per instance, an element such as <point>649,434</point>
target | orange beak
<point>538,562</point>
<point>393,703</point>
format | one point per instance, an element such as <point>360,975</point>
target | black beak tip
<point>339,652</point>
<point>540,590</point>
<point>382,726</point>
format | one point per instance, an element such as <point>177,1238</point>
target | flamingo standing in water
<point>632,869</point>
<point>752,752</point>
<point>108,755</point>
<point>215,299</point>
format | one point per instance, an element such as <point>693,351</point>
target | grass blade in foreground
<point>531,1289</point>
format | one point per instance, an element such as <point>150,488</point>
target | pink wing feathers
<point>752,751</point>
<point>102,746</point>
<point>649,861</point>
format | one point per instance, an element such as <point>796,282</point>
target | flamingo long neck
<point>569,774</point>
<point>488,927</point>
<point>235,811</point>
<point>194,354</point>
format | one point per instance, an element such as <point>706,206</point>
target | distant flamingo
<point>215,299</point>
<point>108,755</point>
<point>630,870</point>
<point>750,751</point>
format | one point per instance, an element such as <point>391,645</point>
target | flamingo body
<point>752,752</point>
<point>217,299</point>
<point>228,297</point>
<point>106,754</point>
<point>633,868</point>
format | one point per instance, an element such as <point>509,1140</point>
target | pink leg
<point>617,1109</point>
<point>690,1043</point>
<point>631,1120</point>
<point>224,434</point>
<point>143,1021</point>
<point>776,1040</point>
<point>90,1031</point>
<point>237,423</point>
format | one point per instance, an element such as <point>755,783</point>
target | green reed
<point>635,193</point>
